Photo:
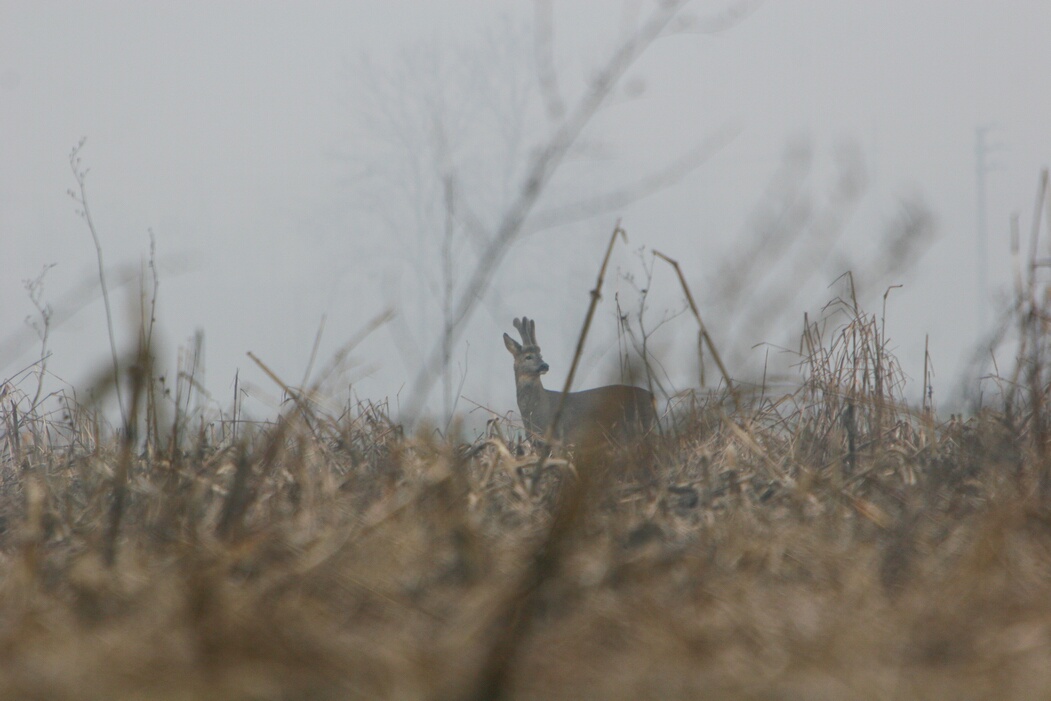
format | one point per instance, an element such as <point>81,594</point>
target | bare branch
<point>545,164</point>
<point>640,189</point>
<point>544,49</point>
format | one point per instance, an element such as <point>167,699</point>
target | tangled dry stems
<point>826,543</point>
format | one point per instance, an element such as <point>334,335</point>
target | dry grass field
<point>817,540</point>
<point>825,543</point>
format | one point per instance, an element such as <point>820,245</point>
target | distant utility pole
<point>983,166</point>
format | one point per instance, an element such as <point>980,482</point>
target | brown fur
<point>618,412</point>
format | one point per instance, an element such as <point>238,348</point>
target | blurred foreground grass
<point>823,543</point>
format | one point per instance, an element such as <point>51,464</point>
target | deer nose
<point>544,368</point>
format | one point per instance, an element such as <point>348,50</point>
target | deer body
<point>618,412</point>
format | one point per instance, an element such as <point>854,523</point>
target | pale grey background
<point>283,155</point>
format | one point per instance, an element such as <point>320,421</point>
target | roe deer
<point>618,412</point>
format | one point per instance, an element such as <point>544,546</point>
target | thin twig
<point>707,339</point>
<point>85,212</point>
<point>596,295</point>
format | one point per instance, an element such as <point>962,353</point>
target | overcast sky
<point>284,157</point>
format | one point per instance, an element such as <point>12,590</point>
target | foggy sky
<point>281,155</point>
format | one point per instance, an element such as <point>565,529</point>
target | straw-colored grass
<point>825,544</point>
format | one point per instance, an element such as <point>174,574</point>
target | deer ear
<point>512,345</point>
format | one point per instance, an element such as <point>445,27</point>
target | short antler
<point>527,330</point>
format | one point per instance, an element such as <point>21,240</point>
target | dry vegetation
<point>824,542</point>
<point>828,543</point>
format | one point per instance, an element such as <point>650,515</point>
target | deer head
<point>529,364</point>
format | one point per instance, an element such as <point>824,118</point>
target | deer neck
<point>533,403</point>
